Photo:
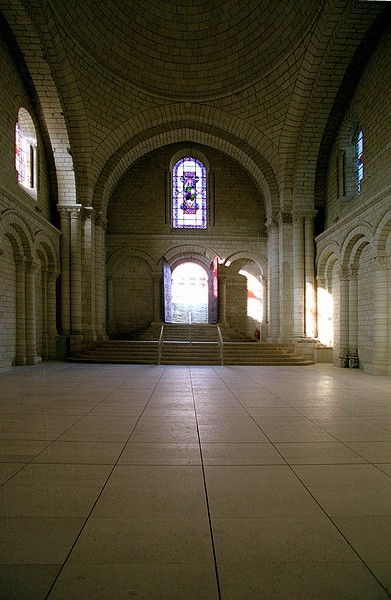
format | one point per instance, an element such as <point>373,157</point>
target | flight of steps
<point>196,344</point>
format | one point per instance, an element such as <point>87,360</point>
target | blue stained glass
<point>359,159</point>
<point>189,194</point>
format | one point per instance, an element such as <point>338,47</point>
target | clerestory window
<point>359,156</point>
<point>26,156</point>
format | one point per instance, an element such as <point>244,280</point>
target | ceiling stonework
<point>187,48</point>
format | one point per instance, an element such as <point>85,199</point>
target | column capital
<point>70,210</point>
<point>100,221</point>
<point>343,273</point>
<point>285,218</point>
<point>380,262</point>
<point>352,272</point>
<point>31,264</point>
<point>89,213</point>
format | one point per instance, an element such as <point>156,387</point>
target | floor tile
<point>279,540</point>
<point>136,541</point>
<point>257,491</point>
<point>38,540</point>
<point>81,452</point>
<point>240,454</point>
<point>299,581</point>
<point>153,492</point>
<point>26,582</point>
<point>160,454</point>
<point>318,453</point>
<point>144,581</point>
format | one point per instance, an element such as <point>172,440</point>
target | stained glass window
<point>359,159</point>
<point>189,194</point>
<point>26,151</point>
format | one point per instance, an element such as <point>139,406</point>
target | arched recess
<point>356,311</point>
<point>48,271</point>
<point>246,150</point>
<point>328,294</point>
<point>246,284</point>
<point>204,257</point>
<point>130,293</point>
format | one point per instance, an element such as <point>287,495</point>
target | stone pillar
<point>21,353</point>
<point>65,249</point>
<point>298,276</point>
<point>353,317</point>
<point>110,306</point>
<point>222,298</point>
<point>379,364</point>
<point>76,273</point>
<point>157,303</point>
<point>309,263</point>
<point>100,276</point>
<point>343,318</point>
<point>273,279</point>
<point>89,310</point>
<point>31,327</point>
<point>286,278</point>
<point>51,278</point>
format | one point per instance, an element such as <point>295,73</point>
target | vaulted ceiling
<point>263,80</point>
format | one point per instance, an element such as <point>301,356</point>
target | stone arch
<point>247,146</point>
<point>189,253</point>
<point>38,78</point>
<point>357,238</point>
<point>18,232</point>
<point>382,233</point>
<point>258,259</point>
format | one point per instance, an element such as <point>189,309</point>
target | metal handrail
<point>221,344</point>
<point>159,345</point>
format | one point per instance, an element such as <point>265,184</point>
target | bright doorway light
<point>189,293</point>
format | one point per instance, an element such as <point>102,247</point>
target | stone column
<point>100,276</point>
<point>343,317</point>
<point>110,306</point>
<point>21,353</point>
<point>89,310</point>
<point>76,273</point>
<point>157,292</point>
<point>222,298</point>
<point>353,317</point>
<point>65,249</point>
<point>379,364</point>
<point>273,279</point>
<point>309,262</point>
<point>31,327</point>
<point>51,278</point>
<point>298,276</point>
<point>286,278</point>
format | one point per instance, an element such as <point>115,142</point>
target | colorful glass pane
<point>359,159</point>
<point>189,194</point>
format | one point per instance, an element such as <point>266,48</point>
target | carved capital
<point>352,272</point>
<point>285,218</point>
<point>89,214</point>
<point>380,262</point>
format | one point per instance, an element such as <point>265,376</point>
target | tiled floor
<point>200,483</point>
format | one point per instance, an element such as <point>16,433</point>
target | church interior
<point>194,166</point>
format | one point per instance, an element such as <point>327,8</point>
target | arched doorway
<point>189,293</point>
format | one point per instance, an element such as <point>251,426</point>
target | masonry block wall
<point>357,239</point>
<point>28,238</point>
<point>139,226</point>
